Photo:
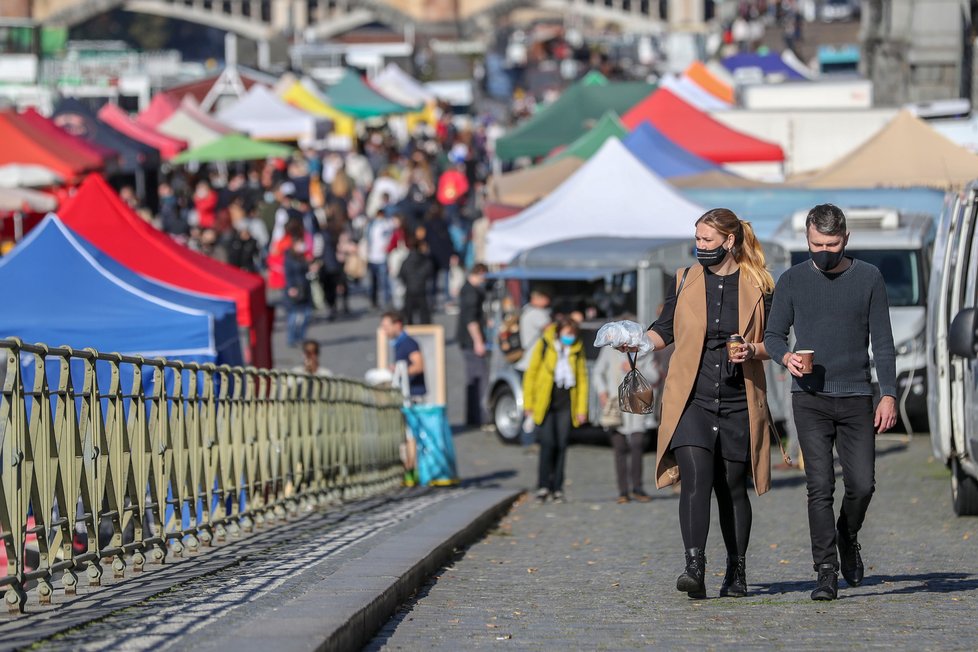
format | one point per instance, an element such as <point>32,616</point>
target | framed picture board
<point>431,340</point>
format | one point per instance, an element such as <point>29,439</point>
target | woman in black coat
<point>416,272</point>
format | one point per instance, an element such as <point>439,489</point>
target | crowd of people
<point>398,220</point>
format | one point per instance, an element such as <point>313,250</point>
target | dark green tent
<point>353,96</point>
<point>574,112</point>
<point>587,145</point>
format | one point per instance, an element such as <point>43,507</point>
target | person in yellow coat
<point>555,396</point>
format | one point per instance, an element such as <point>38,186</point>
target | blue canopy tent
<point>663,156</point>
<point>769,64</point>
<point>58,294</point>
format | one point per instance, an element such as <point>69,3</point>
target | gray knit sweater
<point>835,316</point>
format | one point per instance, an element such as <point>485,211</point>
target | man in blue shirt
<point>406,350</point>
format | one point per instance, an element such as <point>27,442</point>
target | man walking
<point>471,336</point>
<point>837,306</point>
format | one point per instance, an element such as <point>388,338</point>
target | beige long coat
<point>689,325</point>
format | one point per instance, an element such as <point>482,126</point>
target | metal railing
<point>165,456</point>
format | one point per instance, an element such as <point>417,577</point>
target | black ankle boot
<point>735,581</point>
<point>692,580</point>
<point>850,561</point>
<point>827,585</point>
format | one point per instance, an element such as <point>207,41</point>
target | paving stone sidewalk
<point>590,574</point>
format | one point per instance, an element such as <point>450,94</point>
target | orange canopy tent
<point>705,79</point>
<point>97,214</point>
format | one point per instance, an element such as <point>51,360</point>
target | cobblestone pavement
<point>591,574</point>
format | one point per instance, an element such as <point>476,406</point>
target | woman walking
<point>555,396</point>
<point>714,428</point>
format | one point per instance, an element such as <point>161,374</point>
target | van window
<point>901,270</point>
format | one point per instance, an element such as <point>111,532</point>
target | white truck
<point>899,244</point>
<point>952,366</point>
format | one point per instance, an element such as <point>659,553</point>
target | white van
<point>899,245</point>
<point>952,368</point>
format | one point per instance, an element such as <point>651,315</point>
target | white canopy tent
<point>612,195</point>
<point>263,116</point>
<point>688,90</point>
<point>184,126</point>
<point>400,87</point>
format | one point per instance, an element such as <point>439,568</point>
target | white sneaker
<point>542,495</point>
<point>558,497</point>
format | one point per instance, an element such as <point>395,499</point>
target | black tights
<point>702,473</point>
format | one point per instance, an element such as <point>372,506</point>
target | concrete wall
<point>913,50</point>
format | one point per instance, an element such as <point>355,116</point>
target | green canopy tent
<point>609,126</point>
<point>232,147</point>
<point>353,96</point>
<point>572,114</point>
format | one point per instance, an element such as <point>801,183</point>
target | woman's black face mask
<point>711,257</point>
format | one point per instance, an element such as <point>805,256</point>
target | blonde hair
<point>747,250</point>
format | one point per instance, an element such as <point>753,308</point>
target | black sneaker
<point>850,561</point>
<point>827,584</point>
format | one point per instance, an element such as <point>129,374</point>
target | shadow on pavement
<point>489,479</point>
<point>922,583</point>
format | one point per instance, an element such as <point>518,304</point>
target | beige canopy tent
<point>523,187</point>
<point>905,153</point>
<point>718,179</point>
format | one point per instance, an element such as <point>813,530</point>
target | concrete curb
<point>346,609</point>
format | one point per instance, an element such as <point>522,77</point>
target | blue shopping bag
<point>436,451</point>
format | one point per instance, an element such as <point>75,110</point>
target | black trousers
<point>476,377</point>
<point>846,422</point>
<point>416,308</point>
<point>554,435</point>
<point>628,471</point>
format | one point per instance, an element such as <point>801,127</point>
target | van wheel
<point>964,491</point>
<point>506,416</point>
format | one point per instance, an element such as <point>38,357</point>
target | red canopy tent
<point>161,107</point>
<point>697,132</point>
<point>97,214</point>
<point>24,142</point>
<point>119,120</point>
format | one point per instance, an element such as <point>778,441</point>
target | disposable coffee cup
<point>807,360</point>
<point>734,342</point>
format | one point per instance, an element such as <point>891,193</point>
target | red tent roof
<point>119,120</point>
<point>24,142</point>
<point>97,214</point>
<point>697,132</point>
<point>160,108</point>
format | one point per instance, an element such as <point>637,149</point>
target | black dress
<point>716,414</point>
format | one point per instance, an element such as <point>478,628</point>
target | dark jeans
<point>476,376</point>
<point>846,422</point>
<point>416,308</point>
<point>628,472</point>
<point>553,435</point>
